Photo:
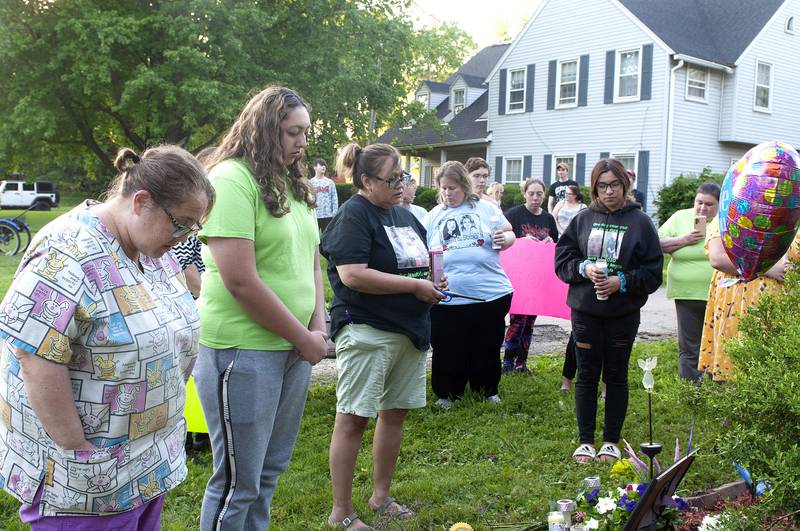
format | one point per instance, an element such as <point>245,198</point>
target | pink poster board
<point>530,265</point>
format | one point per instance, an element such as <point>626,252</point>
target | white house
<point>666,86</point>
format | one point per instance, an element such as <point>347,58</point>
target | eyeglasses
<point>614,185</point>
<point>395,182</point>
<point>181,230</point>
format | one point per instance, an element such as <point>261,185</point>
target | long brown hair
<point>255,137</point>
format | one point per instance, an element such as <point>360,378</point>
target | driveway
<point>550,334</point>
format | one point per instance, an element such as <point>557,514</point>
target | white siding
<point>598,127</point>
<point>696,125</point>
<point>436,99</point>
<point>774,46</point>
<point>473,94</point>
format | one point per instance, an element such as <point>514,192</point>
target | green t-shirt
<point>284,252</point>
<point>689,272</point>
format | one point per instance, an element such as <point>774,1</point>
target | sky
<point>486,21</point>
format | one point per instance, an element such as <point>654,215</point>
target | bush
<point>761,405</point>
<point>681,192</point>
<point>344,191</point>
<point>426,197</point>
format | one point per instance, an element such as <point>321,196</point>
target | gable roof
<point>714,30</point>
<point>462,128</point>
<point>436,87</point>
<point>481,63</point>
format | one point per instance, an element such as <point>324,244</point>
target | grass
<point>491,466</point>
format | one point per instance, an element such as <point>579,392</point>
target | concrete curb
<point>723,492</point>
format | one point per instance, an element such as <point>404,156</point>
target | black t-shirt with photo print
<point>388,240</point>
<point>524,223</point>
<point>559,189</point>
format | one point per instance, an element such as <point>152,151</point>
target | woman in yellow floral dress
<point>729,299</point>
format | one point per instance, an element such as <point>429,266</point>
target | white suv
<point>21,194</point>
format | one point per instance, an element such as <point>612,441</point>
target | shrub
<point>761,405</point>
<point>680,193</point>
<point>344,191</point>
<point>512,196</point>
<point>426,197</point>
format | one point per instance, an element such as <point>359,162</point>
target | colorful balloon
<point>759,208</point>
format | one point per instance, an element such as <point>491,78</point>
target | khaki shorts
<point>378,370</point>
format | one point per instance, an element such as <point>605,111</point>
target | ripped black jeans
<point>602,345</point>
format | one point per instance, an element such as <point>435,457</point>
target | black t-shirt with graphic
<point>559,189</point>
<point>389,240</point>
<point>540,226</point>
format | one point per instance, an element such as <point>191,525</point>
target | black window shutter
<point>526,168</point>
<point>608,94</point>
<point>551,84</point>
<point>546,169</point>
<point>647,71</point>
<point>529,79</point>
<point>583,88</point>
<point>580,168</point>
<point>498,169</point>
<point>642,174</point>
<point>605,155</point>
<point>501,100</point>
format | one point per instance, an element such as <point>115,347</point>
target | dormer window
<point>423,98</point>
<point>789,26</point>
<point>458,101</point>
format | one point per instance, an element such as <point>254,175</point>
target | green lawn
<point>491,466</point>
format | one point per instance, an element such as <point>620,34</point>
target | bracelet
<point>621,276</point>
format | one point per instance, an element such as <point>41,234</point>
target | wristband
<point>582,267</point>
<point>621,276</point>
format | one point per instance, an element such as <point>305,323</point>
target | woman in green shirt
<point>262,318</point>
<point>689,273</point>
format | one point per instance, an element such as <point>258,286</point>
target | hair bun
<point>126,158</point>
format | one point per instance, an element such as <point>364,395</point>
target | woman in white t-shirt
<point>568,208</point>
<point>472,265</point>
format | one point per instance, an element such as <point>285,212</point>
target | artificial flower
<point>593,524</point>
<point>709,523</point>
<point>605,505</point>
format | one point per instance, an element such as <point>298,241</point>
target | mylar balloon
<point>759,208</point>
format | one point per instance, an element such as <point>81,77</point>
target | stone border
<point>723,492</point>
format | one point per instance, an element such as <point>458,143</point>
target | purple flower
<point>682,505</point>
<point>630,505</point>
<point>623,501</point>
<point>642,488</point>
<point>592,496</point>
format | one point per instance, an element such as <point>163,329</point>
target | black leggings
<point>602,345</point>
<point>466,341</point>
<point>570,363</point>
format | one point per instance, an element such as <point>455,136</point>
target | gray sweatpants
<point>253,401</point>
<point>690,331</point>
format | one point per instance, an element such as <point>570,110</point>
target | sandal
<point>347,521</point>
<point>584,450</point>
<point>609,450</point>
<point>392,509</point>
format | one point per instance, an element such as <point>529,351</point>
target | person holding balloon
<point>689,273</point>
<point>761,191</point>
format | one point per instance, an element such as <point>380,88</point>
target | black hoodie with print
<point>628,240</point>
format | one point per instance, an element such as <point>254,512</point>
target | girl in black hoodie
<point>619,232</point>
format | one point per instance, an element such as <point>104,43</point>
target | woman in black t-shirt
<point>528,221</point>
<point>380,320</point>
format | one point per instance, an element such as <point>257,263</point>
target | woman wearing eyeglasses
<point>262,307</point>
<point>378,268</point>
<point>606,299</point>
<point>96,338</point>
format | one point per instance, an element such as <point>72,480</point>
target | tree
<point>82,77</point>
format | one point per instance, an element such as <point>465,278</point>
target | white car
<point>20,194</point>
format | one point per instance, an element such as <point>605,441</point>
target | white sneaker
<point>444,403</point>
<point>494,399</point>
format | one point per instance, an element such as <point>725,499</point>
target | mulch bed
<point>692,518</point>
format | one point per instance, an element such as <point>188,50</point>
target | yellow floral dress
<point>726,305</point>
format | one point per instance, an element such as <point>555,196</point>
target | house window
<point>423,98</point>
<point>569,160</point>
<point>626,159</point>
<point>516,91</point>
<point>458,101</point>
<point>567,83</point>
<point>789,26</point>
<point>628,67</point>
<point>696,83</point>
<point>513,171</point>
<point>763,92</point>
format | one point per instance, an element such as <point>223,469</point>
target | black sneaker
<point>508,368</point>
<point>522,369</point>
